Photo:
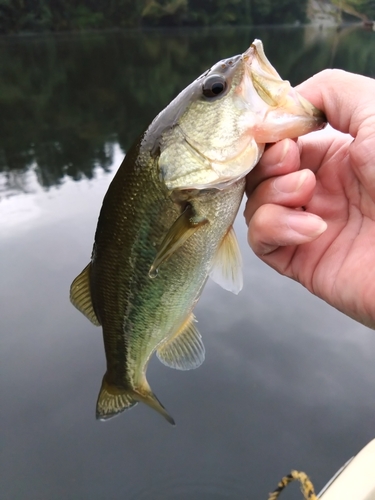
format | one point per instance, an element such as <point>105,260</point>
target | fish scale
<point>166,220</point>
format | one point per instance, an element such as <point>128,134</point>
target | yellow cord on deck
<point>307,487</point>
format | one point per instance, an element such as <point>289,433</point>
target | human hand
<point>329,244</point>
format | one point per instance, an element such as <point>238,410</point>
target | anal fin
<point>185,350</point>
<point>80,295</point>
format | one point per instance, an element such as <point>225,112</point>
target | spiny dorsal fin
<point>185,350</point>
<point>80,295</point>
<point>180,231</point>
<point>227,266</point>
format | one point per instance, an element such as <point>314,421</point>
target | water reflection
<point>24,203</point>
<point>64,101</point>
<point>288,382</point>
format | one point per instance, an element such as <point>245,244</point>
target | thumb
<point>347,99</point>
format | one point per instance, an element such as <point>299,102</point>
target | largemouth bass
<point>166,220</point>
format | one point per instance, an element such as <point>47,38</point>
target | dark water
<point>288,382</point>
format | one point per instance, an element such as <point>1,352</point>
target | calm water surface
<point>288,382</point>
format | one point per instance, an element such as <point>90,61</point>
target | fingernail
<point>291,182</point>
<point>276,154</point>
<point>306,224</point>
<point>286,147</point>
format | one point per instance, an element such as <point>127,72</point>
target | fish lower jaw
<point>279,129</point>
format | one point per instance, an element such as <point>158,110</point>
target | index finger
<point>347,99</point>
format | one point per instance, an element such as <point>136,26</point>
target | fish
<point>166,222</point>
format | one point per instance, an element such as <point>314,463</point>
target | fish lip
<point>311,110</point>
<point>256,51</point>
<point>276,96</point>
<point>320,118</point>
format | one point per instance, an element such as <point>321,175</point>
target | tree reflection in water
<point>65,101</point>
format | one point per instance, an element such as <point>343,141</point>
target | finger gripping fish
<point>166,220</point>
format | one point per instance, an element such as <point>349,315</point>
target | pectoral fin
<point>185,350</point>
<point>80,295</point>
<point>227,266</point>
<point>181,230</point>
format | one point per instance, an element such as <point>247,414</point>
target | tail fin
<point>113,400</point>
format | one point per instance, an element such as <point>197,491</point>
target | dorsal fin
<point>80,295</point>
<point>227,266</point>
<point>185,350</point>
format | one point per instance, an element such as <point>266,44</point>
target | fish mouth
<point>282,112</point>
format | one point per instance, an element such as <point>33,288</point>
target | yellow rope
<point>307,487</point>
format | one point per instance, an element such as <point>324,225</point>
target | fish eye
<point>213,86</point>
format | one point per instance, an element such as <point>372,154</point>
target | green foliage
<point>84,18</point>
<point>215,12</point>
<point>240,12</point>
<point>17,16</point>
<point>62,15</point>
<point>65,101</point>
<point>165,12</point>
<point>358,8</point>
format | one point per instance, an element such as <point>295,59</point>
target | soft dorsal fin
<point>227,266</point>
<point>185,350</point>
<point>80,295</point>
<point>180,231</point>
